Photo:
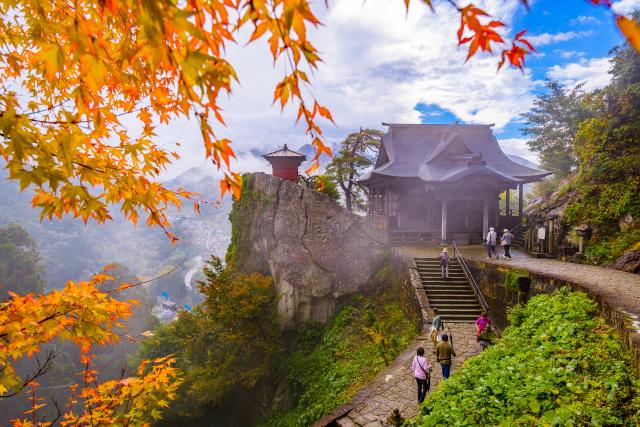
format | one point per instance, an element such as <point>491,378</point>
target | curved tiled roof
<point>448,153</point>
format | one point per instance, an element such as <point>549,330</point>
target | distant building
<point>443,182</point>
<point>285,163</point>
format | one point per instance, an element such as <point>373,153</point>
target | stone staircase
<point>453,297</point>
<point>518,236</point>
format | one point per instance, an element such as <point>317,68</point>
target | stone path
<point>619,288</point>
<point>395,387</point>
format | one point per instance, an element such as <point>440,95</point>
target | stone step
<point>444,282</point>
<point>456,289</point>
<point>469,312</point>
<point>437,267</point>
<point>460,318</point>
<point>429,261</point>
<point>452,299</point>
<point>435,263</point>
<point>446,285</point>
<point>439,276</point>
<point>453,306</point>
<point>438,270</point>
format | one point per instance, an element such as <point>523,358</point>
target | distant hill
<point>71,250</point>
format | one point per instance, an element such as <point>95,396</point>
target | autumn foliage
<point>83,86</point>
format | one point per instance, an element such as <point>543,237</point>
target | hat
<point>445,250</point>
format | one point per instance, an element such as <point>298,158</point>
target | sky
<point>383,65</point>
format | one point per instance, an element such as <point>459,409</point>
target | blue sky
<point>565,32</point>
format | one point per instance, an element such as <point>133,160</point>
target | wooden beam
<point>485,218</point>
<point>520,200</point>
<point>506,202</point>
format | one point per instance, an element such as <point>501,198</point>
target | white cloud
<point>378,63</point>
<point>625,7</point>
<point>518,147</point>
<point>584,20</point>
<point>548,38</point>
<point>593,73</point>
<point>568,54</point>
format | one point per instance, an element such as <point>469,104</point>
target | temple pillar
<point>520,200</point>
<point>466,215</point>
<point>444,221</point>
<point>485,218</point>
<point>506,202</point>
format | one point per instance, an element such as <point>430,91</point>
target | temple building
<point>443,183</point>
<point>285,163</point>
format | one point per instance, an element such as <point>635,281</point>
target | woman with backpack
<point>505,242</point>
<point>422,372</point>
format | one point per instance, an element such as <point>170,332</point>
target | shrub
<point>556,365</point>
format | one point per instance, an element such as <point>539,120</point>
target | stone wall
<point>317,252</point>
<point>491,279</point>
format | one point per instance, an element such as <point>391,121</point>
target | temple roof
<point>447,153</point>
<point>285,152</point>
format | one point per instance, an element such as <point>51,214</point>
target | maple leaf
<point>630,29</point>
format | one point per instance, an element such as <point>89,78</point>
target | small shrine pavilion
<point>285,163</point>
<point>443,183</point>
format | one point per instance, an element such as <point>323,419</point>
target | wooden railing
<point>458,255</point>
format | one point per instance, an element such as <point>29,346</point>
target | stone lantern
<point>285,163</point>
<point>584,233</point>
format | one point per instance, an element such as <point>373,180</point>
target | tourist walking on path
<point>421,370</point>
<point>444,352</point>
<point>505,242</point>
<point>444,263</point>
<point>492,237</point>
<point>437,326</point>
<point>482,324</point>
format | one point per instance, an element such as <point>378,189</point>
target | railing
<point>458,255</point>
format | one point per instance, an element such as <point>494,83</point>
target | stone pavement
<point>395,386</point>
<point>619,288</point>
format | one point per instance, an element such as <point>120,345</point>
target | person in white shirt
<point>542,236</point>
<point>492,237</point>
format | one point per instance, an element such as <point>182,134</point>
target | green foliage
<point>608,250</point>
<point>227,344</point>
<point>20,266</point>
<point>513,278</point>
<point>325,185</point>
<point>552,124</point>
<point>240,217</point>
<point>357,153</point>
<point>330,364</point>
<point>608,152</point>
<point>556,365</point>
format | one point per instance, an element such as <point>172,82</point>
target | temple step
<point>453,296</point>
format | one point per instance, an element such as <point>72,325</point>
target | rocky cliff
<point>316,251</point>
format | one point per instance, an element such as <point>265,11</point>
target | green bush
<point>330,364</point>
<point>556,365</point>
<point>606,251</point>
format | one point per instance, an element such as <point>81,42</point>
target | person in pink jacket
<point>422,371</point>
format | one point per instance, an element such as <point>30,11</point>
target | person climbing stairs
<point>453,297</point>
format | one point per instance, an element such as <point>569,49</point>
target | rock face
<point>315,250</point>
<point>629,262</point>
